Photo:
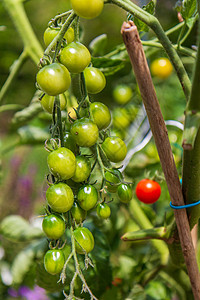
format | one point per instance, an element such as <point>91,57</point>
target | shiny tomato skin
<point>60,197</point>
<point>47,103</point>
<point>103,210</point>
<point>161,67</point>
<point>53,79</point>
<point>124,192</point>
<point>87,197</point>
<point>83,169</point>
<point>84,240</point>
<point>148,191</point>
<point>75,57</point>
<point>115,149</point>
<point>113,177</point>
<point>85,132</point>
<point>53,226</point>
<point>54,261</point>
<point>87,9</point>
<point>78,213</point>
<point>62,163</point>
<point>101,115</point>
<point>95,80</point>
<point>51,33</point>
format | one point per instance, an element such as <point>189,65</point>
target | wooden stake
<point>139,63</point>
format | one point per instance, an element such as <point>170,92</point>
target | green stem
<point>59,120</point>
<point>189,30</point>
<point>17,13</point>
<point>9,107</point>
<point>145,234</point>
<point>144,223</point>
<point>15,68</point>
<point>181,34</point>
<point>154,24</point>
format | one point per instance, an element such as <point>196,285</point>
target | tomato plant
<point>53,226</point>
<point>112,180</point>
<point>84,240</point>
<point>101,115</point>
<point>103,210</point>
<point>148,191</point>
<point>87,9</point>
<point>79,214</point>
<point>47,103</point>
<point>54,261</point>
<point>85,132</point>
<point>87,197</point>
<point>124,192</point>
<point>83,169</point>
<point>50,33</point>
<point>161,67</point>
<point>75,57</point>
<point>94,79</point>
<point>114,148</point>
<point>53,79</point>
<point>60,197</point>
<point>122,94</point>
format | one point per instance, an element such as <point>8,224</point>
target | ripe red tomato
<point>148,191</point>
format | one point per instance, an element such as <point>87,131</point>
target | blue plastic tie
<point>184,206</point>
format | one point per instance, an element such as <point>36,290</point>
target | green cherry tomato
<point>78,213</point>
<point>85,132</point>
<point>122,94</point>
<point>103,210</point>
<point>54,261</point>
<point>83,169</point>
<point>101,115</point>
<point>60,197</point>
<point>62,163</point>
<point>69,142</point>
<point>51,33</point>
<point>47,103</point>
<point>121,118</point>
<point>75,57</point>
<point>161,67</point>
<point>84,240</point>
<point>53,226</point>
<point>87,197</point>
<point>94,79</point>
<point>115,149</point>
<point>87,9</point>
<point>53,79</point>
<point>124,192</point>
<point>113,177</point>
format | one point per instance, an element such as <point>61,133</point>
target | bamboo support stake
<point>138,60</point>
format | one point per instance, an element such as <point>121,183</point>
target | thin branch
<point>136,53</point>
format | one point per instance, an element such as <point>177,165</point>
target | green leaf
<point>188,8</point>
<point>32,135</point>
<point>150,8</point>
<point>17,229</point>
<point>98,44</point>
<point>137,293</point>
<point>108,66</point>
<point>25,260</point>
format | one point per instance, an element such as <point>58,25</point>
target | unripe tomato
<point>121,118</point>
<point>69,142</point>
<point>60,197</point>
<point>53,79</point>
<point>62,163</point>
<point>84,240</point>
<point>101,115</point>
<point>115,149</point>
<point>122,94</point>
<point>103,210</point>
<point>53,226</point>
<point>161,68</point>
<point>51,33</point>
<point>83,169</point>
<point>47,103</point>
<point>124,192</point>
<point>95,80</point>
<point>148,191</point>
<point>54,261</point>
<point>87,197</point>
<point>85,132</point>
<point>87,9</point>
<point>78,213</point>
<point>75,57</point>
<point>114,178</point>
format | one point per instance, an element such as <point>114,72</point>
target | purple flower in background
<point>26,293</point>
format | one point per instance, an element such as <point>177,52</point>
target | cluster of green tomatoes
<point>71,194</point>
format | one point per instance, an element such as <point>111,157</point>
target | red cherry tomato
<point>148,191</point>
